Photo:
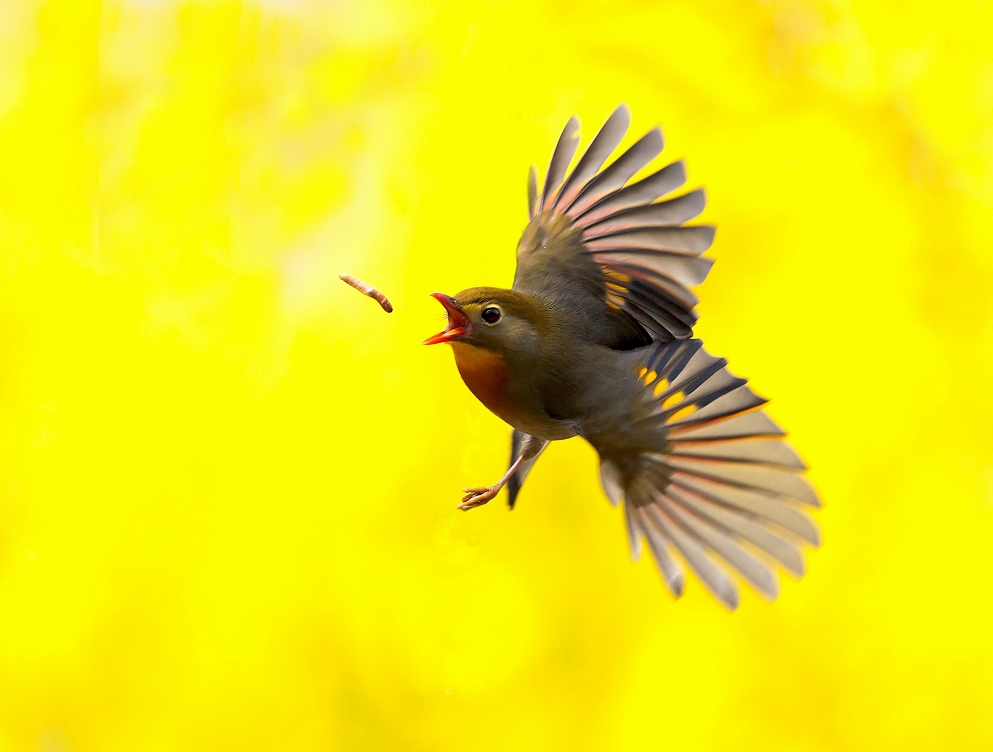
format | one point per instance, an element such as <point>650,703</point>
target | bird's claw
<point>476,497</point>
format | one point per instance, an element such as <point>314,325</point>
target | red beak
<point>458,324</point>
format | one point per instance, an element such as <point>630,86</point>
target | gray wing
<point>607,248</point>
<point>704,473</point>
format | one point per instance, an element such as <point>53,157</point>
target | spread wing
<point>610,251</point>
<point>704,473</point>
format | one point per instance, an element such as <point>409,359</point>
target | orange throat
<point>485,373</point>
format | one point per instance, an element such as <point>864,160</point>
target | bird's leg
<point>476,497</point>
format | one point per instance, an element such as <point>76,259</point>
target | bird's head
<point>502,321</point>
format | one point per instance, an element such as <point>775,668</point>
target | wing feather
<point>738,426</point>
<point>688,240</point>
<point>681,268</point>
<point>659,543</point>
<point>673,212</point>
<point>766,451</point>
<point>561,157</point>
<point>634,530</point>
<point>726,492</point>
<point>715,579</point>
<point>532,192</point>
<point>645,191</point>
<point>604,251</point>
<point>641,153</point>
<point>761,578</point>
<point>603,146</point>
<point>748,530</point>
<point>753,502</point>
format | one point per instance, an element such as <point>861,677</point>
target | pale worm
<point>369,290</point>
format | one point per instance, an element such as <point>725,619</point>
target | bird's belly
<point>488,378</point>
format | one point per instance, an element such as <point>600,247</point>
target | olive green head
<point>503,321</point>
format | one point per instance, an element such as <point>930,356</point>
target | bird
<point>595,339</point>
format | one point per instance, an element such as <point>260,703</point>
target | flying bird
<point>595,340</point>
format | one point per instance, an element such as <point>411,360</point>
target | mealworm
<point>369,290</point>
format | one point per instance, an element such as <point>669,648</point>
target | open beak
<point>458,324</point>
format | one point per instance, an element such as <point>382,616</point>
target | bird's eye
<point>491,315</point>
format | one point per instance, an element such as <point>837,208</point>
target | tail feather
<point>519,443</point>
<point>706,474</point>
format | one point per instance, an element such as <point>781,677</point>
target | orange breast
<point>486,375</point>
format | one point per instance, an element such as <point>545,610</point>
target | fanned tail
<point>704,473</point>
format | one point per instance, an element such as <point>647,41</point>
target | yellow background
<point>227,481</point>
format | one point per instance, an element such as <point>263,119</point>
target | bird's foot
<point>476,497</point>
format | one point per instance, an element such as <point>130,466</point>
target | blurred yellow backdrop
<point>227,481</point>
